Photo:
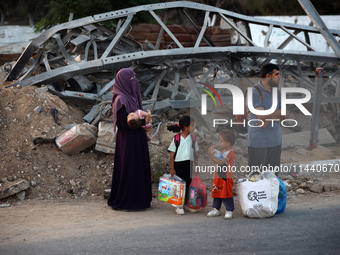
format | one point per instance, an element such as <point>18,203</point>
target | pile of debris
<point>305,185</point>
<point>47,144</point>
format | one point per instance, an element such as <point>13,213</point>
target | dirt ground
<point>46,220</point>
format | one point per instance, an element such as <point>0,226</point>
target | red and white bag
<point>197,197</point>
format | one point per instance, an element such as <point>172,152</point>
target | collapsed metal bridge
<point>88,47</point>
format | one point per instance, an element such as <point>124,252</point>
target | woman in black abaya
<point>131,179</point>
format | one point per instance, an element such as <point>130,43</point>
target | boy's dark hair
<point>134,124</point>
<point>228,136</point>
<point>268,69</point>
<point>184,121</point>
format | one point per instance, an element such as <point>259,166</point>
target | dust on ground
<point>47,220</point>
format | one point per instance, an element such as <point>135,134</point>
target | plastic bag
<point>171,189</point>
<point>282,198</point>
<point>258,199</point>
<point>198,198</point>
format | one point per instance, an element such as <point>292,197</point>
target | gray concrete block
<point>293,140</point>
<point>11,188</point>
<point>106,138</point>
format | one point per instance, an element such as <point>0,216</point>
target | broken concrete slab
<point>11,188</point>
<point>316,188</point>
<point>77,138</point>
<point>106,138</point>
<point>92,114</point>
<point>293,140</point>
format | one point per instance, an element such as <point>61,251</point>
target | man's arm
<point>275,116</point>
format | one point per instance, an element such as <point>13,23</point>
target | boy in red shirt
<point>222,190</point>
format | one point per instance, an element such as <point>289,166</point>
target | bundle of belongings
<point>171,189</point>
<point>261,195</point>
<point>198,198</point>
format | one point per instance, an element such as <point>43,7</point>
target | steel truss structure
<point>88,47</point>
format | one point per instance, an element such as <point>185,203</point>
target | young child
<point>183,156</point>
<point>222,190</point>
<point>134,121</point>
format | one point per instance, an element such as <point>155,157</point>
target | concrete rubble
<point>305,185</point>
<point>106,138</point>
<point>302,139</point>
<point>12,188</point>
<point>77,138</point>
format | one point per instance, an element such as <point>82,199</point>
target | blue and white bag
<point>258,199</point>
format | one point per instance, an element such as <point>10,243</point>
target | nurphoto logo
<point>239,100</point>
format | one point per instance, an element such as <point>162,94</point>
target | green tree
<point>58,11</point>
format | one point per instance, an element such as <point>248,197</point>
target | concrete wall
<point>14,39</point>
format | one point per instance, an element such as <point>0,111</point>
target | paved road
<point>302,229</point>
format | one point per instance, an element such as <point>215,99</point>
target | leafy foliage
<point>57,11</point>
<point>52,12</point>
